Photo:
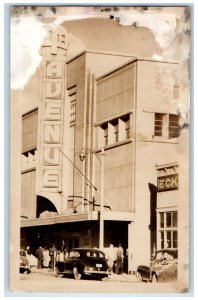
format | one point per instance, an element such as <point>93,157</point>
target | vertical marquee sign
<point>52,112</point>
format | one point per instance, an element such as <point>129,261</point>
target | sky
<point>30,26</point>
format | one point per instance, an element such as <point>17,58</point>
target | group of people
<point>48,258</point>
<point>115,257</point>
<point>44,257</point>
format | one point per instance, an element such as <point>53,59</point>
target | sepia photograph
<point>99,149</point>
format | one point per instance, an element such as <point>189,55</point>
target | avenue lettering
<point>52,134</point>
<point>53,90</point>
<point>51,178</point>
<point>53,110</point>
<point>166,183</point>
<point>53,69</point>
<point>52,124</point>
<point>51,156</point>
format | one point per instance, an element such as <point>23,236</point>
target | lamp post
<point>101,219</point>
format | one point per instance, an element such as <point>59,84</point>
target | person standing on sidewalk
<point>52,254</point>
<point>119,260</point>
<point>39,254</point>
<point>111,257</point>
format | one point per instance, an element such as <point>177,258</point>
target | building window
<point>72,95</point>
<point>166,125</point>
<point>116,130</point>
<point>158,124</point>
<point>105,127</point>
<point>72,111</point>
<point>173,126</point>
<point>168,229</point>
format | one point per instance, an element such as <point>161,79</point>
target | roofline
<point>116,68</point>
<point>134,60</point>
<point>99,52</point>
<point>132,55</point>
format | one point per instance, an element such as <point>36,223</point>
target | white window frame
<point>166,229</point>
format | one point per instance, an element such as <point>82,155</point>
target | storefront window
<point>168,239</point>
<point>161,220</point>
<point>174,219</point>
<point>162,239</point>
<point>168,219</point>
<point>168,229</point>
<point>174,239</point>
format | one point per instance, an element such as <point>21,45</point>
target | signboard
<point>51,108</point>
<point>167,183</point>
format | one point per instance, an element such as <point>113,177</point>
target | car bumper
<point>92,272</point>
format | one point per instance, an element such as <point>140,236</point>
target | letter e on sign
<point>51,178</point>
<point>53,111</point>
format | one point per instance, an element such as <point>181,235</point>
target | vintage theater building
<point>101,128</point>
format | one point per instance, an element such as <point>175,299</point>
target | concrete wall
<point>115,93</point>
<point>155,84</point>
<point>76,76</point>
<point>81,73</point>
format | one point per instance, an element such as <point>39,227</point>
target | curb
<point>111,277</point>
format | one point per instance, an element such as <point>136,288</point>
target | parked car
<point>163,268</point>
<point>84,261</point>
<point>24,264</point>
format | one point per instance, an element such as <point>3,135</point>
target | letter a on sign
<point>54,69</point>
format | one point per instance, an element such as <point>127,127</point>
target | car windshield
<point>74,254</point>
<point>167,256</point>
<point>163,255</point>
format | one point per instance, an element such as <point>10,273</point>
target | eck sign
<point>167,183</point>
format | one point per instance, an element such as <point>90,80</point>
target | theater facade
<point>101,141</point>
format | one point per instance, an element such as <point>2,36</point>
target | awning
<point>78,217</point>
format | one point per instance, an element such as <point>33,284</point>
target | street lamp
<point>82,157</point>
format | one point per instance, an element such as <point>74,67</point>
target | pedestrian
<point>28,251</point>
<point>52,254</point>
<point>28,255</point>
<point>39,254</point>
<point>111,257</point>
<point>119,260</point>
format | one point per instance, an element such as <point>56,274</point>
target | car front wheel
<point>77,274</point>
<point>154,278</point>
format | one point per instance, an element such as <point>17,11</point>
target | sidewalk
<point>112,277</point>
<point>45,271</point>
<point>124,277</point>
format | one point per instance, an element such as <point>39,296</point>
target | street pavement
<point>112,277</point>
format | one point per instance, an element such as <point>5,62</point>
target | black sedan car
<point>84,261</point>
<point>163,268</point>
